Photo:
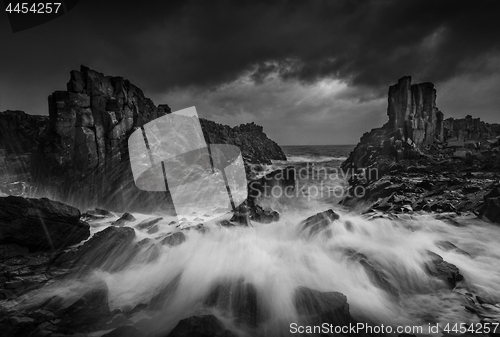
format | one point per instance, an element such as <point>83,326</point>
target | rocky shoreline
<point>79,153</point>
<point>408,168</point>
<point>419,162</point>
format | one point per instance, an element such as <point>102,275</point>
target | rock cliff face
<point>255,146</point>
<point>470,129</point>
<point>83,156</point>
<point>415,126</point>
<point>414,123</point>
<point>79,154</point>
<point>412,111</point>
<point>19,135</point>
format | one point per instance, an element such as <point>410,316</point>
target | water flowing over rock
<point>110,249</point>
<point>40,223</point>
<point>239,298</point>
<point>444,270</point>
<point>315,307</point>
<point>200,326</point>
<point>319,222</point>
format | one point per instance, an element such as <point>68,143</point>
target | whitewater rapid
<point>274,259</point>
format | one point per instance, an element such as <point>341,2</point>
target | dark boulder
<point>160,299</point>
<point>110,249</point>
<point>200,326</point>
<point>377,275</point>
<point>126,217</point>
<point>88,309</point>
<point>148,223</point>
<point>443,270</point>
<point>174,239</point>
<point>319,221</point>
<point>40,223</point>
<point>315,307</point>
<point>239,298</point>
<point>491,206</point>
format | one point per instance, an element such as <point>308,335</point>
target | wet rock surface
<point>317,307</point>
<point>200,326</point>
<point>110,249</point>
<point>250,209</point>
<point>40,223</point>
<point>491,205</point>
<point>319,222</point>
<point>405,167</point>
<point>443,270</point>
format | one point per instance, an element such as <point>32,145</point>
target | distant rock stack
<point>412,111</point>
<point>414,123</point>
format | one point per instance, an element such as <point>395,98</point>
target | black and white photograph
<point>250,168</point>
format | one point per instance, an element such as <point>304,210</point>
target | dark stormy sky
<point>310,72</point>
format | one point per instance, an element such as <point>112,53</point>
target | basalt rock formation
<point>83,156</point>
<point>413,113</point>
<point>415,126</point>
<point>470,129</point>
<point>414,122</point>
<point>79,154</point>
<point>419,150</point>
<point>255,146</point>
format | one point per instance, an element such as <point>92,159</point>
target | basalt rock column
<point>412,110</point>
<point>83,158</point>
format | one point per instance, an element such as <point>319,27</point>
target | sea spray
<point>264,265</point>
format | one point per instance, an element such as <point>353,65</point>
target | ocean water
<point>272,260</point>
<point>318,176</point>
<point>324,154</point>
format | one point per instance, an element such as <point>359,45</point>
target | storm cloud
<point>257,59</point>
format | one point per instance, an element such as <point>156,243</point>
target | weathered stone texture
<point>470,129</point>
<point>81,155</point>
<point>412,110</point>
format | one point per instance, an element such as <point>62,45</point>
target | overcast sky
<point>310,72</point>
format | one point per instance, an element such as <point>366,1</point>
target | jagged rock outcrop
<point>40,223</point>
<point>82,156</point>
<point>412,111</point>
<point>20,132</point>
<point>254,144</point>
<point>470,129</point>
<point>491,206</point>
<point>414,123</point>
<point>417,128</point>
